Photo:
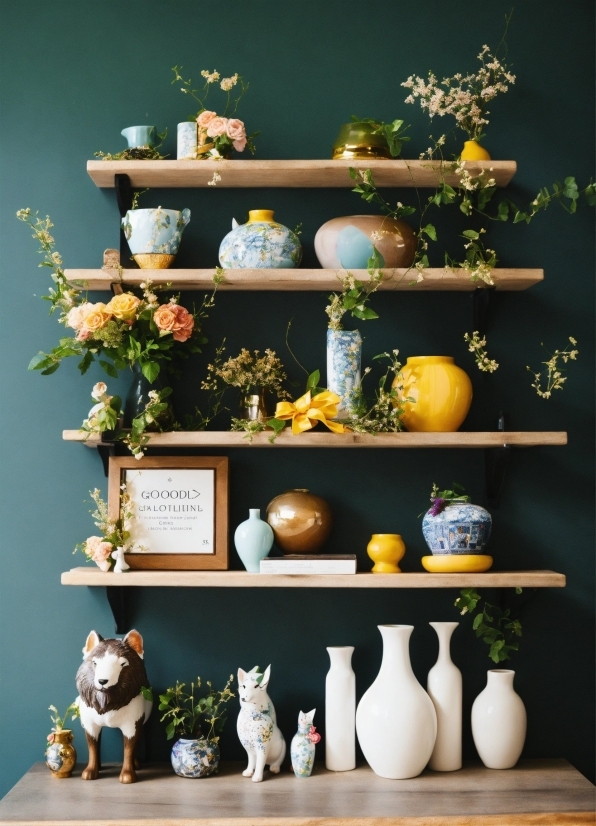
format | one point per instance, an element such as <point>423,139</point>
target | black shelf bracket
<point>480,306</point>
<point>496,461</point>
<point>124,196</point>
<point>119,600</point>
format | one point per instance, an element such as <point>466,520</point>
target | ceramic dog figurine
<point>257,725</point>
<point>109,683</point>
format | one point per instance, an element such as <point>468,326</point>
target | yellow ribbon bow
<point>306,411</point>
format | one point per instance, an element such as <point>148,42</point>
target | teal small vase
<point>253,540</point>
<point>138,136</point>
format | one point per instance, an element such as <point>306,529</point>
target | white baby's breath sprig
<point>477,346</point>
<point>552,378</point>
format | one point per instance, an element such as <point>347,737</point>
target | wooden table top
<point>540,792</point>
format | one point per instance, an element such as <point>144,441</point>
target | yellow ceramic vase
<point>386,550</point>
<point>441,393</point>
<point>472,151</point>
<point>457,563</point>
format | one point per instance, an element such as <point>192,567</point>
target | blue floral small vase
<point>460,528</point>
<point>344,355</point>
<point>186,144</point>
<point>302,748</point>
<point>195,758</point>
<point>261,243</point>
<point>253,540</point>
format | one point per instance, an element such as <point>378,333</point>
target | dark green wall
<point>73,75</point>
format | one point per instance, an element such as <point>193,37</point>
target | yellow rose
<point>124,306</point>
<point>96,317</point>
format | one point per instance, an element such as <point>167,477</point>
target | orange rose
<point>96,317</point>
<point>124,306</point>
<point>172,318</point>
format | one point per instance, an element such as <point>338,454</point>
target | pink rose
<point>313,735</point>
<point>205,118</point>
<point>75,316</point>
<point>240,144</point>
<point>235,129</point>
<point>217,126</point>
<point>99,551</point>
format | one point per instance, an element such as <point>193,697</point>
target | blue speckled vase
<point>186,144</point>
<point>344,354</point>
<point>261,243</point>
<point>461,528</point>
<point>302,748</point>
<point>195,758</point>
<point>253,540</point>
<point>154,230</point>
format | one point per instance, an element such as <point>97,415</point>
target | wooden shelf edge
<point>242,579</point>
<point>289,173</point>
<point>397,280</point>
<point>228,439</point>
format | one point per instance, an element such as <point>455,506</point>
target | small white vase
<point>340,711</point>
<point>396,720</point>
<point>499,721</point>
<point>444,687</point>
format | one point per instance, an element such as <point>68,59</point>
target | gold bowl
<point>154,260</point>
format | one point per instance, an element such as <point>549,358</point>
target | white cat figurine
<point>257,725</point>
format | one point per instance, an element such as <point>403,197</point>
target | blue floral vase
<point>253,540</point>
<point>344,354</point>
<point>195,758</point>
<point>302,748</point>
<point>460,528</point>
<point>154,235</point>
<point>261,243</point>
<point>186,141</point>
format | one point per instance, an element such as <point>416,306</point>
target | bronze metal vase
<point>253,405</point>
<point>61,755</point>
<point>300,520</point>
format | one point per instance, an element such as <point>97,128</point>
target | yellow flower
<point>124,306</point>
<point>96,317</point>
<point>306,411</point>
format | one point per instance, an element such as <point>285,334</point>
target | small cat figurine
<point>257,725</point>
<point>302,749</point>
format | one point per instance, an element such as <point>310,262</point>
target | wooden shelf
<point>242,579</point>
<point>537,792</point>
<point>292,174</point>
<point>298,280</point>
<point>225,438</point>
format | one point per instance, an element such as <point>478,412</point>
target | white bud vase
<point>340,711</point>
<point>499,721</point>
<point>444,687</point>
<point>396,720</point>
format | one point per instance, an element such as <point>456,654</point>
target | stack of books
<point>310,564</point>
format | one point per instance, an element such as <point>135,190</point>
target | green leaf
<point>365,313</point>
<point>109,368</point>
<point>150,371</point>
<point>146,692</point>
<point>170,731</point>
<point>503,211</point>
<point>471,233</point>
<point>39,361</point>
<point>429,230</point>
<point>313,380</point>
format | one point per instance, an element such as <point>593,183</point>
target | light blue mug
<point>140,136</point>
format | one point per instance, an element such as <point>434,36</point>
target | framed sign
<point>180,506</point>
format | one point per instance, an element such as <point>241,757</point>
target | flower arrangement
<point>553,375</point>
<point>218,135</point>
<point>194,717</point>
<point>247,371</point>
<point>354,295</point>
<point>441,498</point>
<point>385,413</point>
<point>115,535</point>
<point>128,330</point>
<point>60,722</point>
<point>464,96</point>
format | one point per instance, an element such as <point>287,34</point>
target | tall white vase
<point>444,687</point>
<point>396,720</point>
<point>499,721</point>
<point>340,711</point>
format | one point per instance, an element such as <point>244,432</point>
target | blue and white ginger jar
<point>261,243</point>
<point>154,230</point>
<point>460,528</point>
<point>195,758</point>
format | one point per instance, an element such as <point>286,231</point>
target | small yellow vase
<point>386,550</point>
<point>472,151</point>
<point>442,394</point>
<point>260,216</point>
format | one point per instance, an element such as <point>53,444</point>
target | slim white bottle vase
<point>499,721</point>
<point>444,686</point>
<point>340,711</point>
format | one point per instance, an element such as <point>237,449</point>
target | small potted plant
<point>61,755</point>
<point>197,722</point>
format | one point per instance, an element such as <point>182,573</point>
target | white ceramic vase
<point>444,687</point>
<point>340,711</point>
<point>396,720</point>
<point>499,721</point>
